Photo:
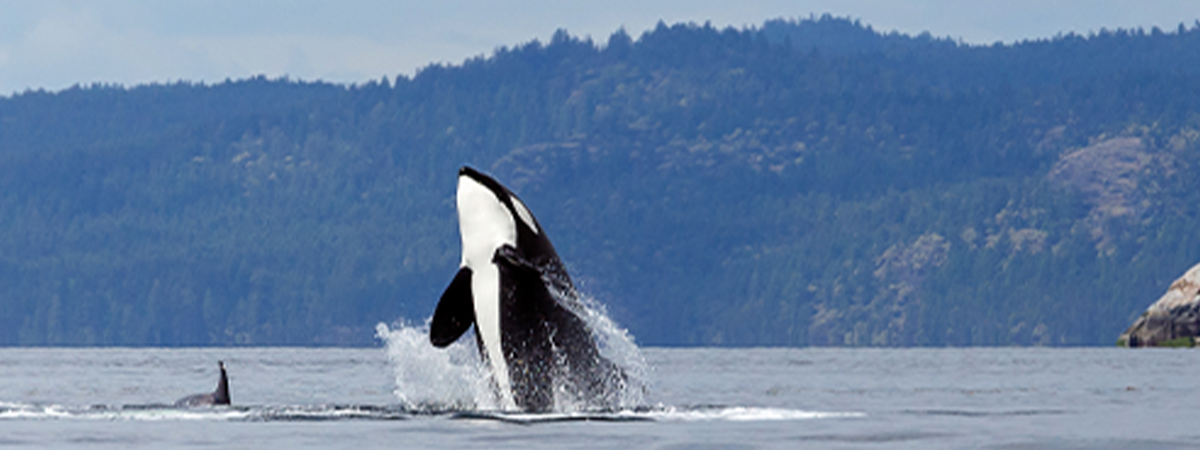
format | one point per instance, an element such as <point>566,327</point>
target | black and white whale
<point>217,397</point>
<point>527,314</point>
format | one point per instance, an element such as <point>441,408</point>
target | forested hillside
<point>807,182</point>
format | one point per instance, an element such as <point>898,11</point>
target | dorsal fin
<point>221,395</point>
<point>455,311</point>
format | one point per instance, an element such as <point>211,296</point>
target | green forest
<point>806,182</point>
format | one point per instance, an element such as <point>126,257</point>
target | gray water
<point>992,398</point>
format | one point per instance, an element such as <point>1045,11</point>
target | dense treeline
<point>809,182</point>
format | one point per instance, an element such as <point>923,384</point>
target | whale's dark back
<point>220,396</point>
<point>547,342</point>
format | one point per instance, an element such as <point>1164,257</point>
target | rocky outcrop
<point>1116,177</point>
<point>1110,174</point>
<point>1174,320</point>
<point>902,268</point>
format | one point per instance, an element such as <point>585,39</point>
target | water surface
<point>1001,398</point>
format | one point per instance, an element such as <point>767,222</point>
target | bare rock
<point>1172,320</point>
<point>904,267</point>
<point>1116,177</point>
<point>1109,173</point>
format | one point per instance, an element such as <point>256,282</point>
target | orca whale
<point>217,397</point>
<point>513,288</point>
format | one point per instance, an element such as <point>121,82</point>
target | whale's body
<point>527,314</point>
<point>220,396</point>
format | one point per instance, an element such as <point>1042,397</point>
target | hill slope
<point>807,183</point>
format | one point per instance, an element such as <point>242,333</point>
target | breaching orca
<point>527,313</point>
<point>217,397</point>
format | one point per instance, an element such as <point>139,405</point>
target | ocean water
<point>401,395</point>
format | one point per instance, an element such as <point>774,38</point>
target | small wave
<point>744,414</point>
<point>332,413</point>
<point>308,413</point>
<point>661,414</point>
<point>292,413</point>
<point>28,411</point>
<point>535,418</point>
<point>164,414</point>
<point>976,413</point>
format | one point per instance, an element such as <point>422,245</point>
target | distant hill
<point>807,182</point>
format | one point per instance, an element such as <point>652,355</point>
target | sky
<point>54,44</point>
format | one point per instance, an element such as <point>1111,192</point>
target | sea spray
<point>455,379</point>
<point>433,379</point>
<point>617,345</point>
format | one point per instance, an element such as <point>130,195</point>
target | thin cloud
<point>54,44</point>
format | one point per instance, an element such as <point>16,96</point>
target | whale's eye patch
<point>524,214</point>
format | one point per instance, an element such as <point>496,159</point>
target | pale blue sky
<point>53,44</point>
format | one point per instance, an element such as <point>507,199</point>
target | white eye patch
<point>524,214</point>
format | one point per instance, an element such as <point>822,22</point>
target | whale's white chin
<point>485,225</point>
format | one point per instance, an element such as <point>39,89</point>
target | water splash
<point>617,345</point>
<point>455,379</point>
<point>432,379</point>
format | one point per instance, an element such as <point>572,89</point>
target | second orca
<point>218,397</point>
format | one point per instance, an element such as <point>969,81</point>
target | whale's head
<point>489,217</point>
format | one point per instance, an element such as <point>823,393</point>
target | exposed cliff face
<point>1114,175</point>
<point>892,316</point>
<point>903,269</point>
<point>1108,172</point>
<point>1173,320</point>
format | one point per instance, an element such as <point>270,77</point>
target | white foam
<point>745,414</point>
<point>28,411</point>
<point>673,414</point>
<point>431,378</point>
<point>154,415</point>
<point>428,378</point>
<point>14,411</point>
<point>616,344</point>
